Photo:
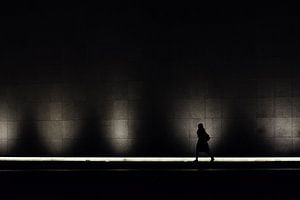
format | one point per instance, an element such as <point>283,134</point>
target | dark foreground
<point>149,180</point>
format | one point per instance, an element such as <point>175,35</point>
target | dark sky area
<point>81,32</point>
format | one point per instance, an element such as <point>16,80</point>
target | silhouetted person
<point>202,145</point>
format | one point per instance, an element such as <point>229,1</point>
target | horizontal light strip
<point>150,159</point>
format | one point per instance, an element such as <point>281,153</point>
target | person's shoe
<point>195,161</point>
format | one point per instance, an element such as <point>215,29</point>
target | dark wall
<point>85,81</point>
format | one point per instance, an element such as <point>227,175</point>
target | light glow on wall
<point>119,134</point>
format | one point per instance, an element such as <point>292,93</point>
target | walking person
<point>202,143</point>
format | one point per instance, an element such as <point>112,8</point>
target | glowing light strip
<point>150,159</point>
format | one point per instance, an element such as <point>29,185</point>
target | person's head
<point>200,126</point>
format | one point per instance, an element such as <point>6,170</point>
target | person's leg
<point>211,156</point>
<point>197,152</point>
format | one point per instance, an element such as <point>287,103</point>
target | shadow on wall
<point>30,142</point>
<point>241,137</point>
<point>157,136</point>
<point>91,140</point>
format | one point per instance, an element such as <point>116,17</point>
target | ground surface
<point>152,180</point>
